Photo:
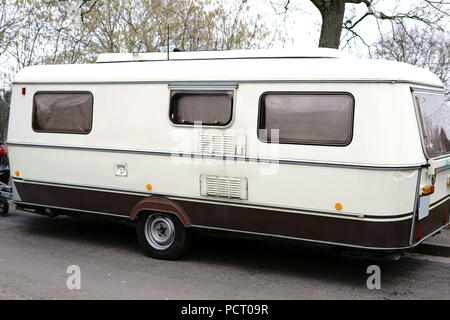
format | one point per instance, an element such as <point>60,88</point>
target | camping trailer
<point>312,146</point>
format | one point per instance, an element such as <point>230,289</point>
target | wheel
<point>162,235</point>
<point>4,207</point>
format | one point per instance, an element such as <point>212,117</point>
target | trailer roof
<point>229,67</point>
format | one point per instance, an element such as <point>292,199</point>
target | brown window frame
<point>261,115</point>
<point>61,131</point>
<point>230,91</point>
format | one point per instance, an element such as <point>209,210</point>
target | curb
<point>433,249</point>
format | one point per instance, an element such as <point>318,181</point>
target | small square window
<point>210,107</point>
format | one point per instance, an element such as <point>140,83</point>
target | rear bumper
<point>437,218</point>
<point>5,191</point>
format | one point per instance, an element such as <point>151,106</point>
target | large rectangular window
<point>63,112</point>
<point>434,117</point>
<point>210,107</point>
<point>306,118</point>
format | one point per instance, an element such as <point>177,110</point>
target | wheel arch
<point>160,204</point>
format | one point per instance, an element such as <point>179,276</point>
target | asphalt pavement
<point>36,252</point>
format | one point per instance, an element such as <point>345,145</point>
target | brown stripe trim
<point>76,198</point>
<point>443,199</point>
<point>352,232</point>
<point>344,231</point>
<point>216,200</point>
<point>27,205</point>
<point>389,217</point>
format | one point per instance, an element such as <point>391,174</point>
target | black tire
<point>162,235</point>
<point>4,207</point>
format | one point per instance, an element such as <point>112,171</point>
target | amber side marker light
<point>149,187</point>
<point>17,173</point>
<point>428,190</point>
<point>338,206</point>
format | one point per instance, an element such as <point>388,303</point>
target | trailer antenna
<point>168,41</point>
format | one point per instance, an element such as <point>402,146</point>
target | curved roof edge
<point>275,69</point>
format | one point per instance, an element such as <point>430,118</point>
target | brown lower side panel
<point>304,226</point>
<point>297,225</point>
<point>437,217</point>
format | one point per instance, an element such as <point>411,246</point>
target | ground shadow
<point>253,254</point>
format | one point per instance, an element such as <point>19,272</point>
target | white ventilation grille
<point>223,187</point>
<point>222,144</point>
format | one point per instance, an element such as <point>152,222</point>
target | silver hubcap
<point>160,231</point>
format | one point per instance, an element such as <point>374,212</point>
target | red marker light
<point>24,90</point>
<point>419,233</point>
<point>2,151</point>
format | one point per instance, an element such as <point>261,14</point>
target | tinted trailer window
<point>63,112</point>
<point>307,118</point>
<point>211,108</point>
<point>434,117</point>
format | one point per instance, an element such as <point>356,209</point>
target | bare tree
<point>423,47</point>
<point>141,25</point>
<point>69,31</point>
<point>10,19</point>
<point>334,20</point>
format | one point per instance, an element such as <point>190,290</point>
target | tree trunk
<point>332,18</point>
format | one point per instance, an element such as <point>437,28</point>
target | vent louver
<point>223,187</point>
<point>222,144</point>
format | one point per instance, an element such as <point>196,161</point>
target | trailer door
<point>433,114</point>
